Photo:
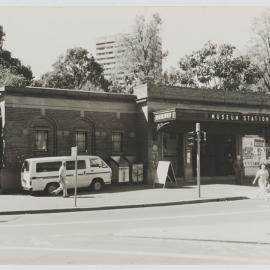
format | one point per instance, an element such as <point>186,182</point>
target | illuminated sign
<point>165,116</point>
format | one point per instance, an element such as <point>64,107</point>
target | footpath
<point>119,197</point>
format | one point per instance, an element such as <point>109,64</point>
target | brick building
<point>48,122</point>
<point>235,123</point>
<point>151,125</point>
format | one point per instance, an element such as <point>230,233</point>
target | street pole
<point>74,154</point>
<point>198,158</point>
<point>76,179</point>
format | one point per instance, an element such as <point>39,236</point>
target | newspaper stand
<point>135,170</point>
<point>120,169</point>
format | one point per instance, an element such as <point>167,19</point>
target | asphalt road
<point>235,232</point>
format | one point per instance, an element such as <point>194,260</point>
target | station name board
<point>234,117</point>
<point>165,116</point>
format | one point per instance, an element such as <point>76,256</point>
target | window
<point>81,140</point>
<point>80,165</point>
<point>41,137</point>
<point>117,142</point>
<point>48,166</point>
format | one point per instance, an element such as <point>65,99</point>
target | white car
<point>41,174</point>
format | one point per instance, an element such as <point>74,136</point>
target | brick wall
<point>21,124</point>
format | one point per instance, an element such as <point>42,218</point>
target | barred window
<point>41,137</point>
<point>81,140</point>
<point>117,142</point>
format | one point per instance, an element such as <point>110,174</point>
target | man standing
<point>239,170</point>
<point>62,181</point>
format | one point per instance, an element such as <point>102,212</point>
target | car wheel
<point>51,188</point>
<point>97,185</point>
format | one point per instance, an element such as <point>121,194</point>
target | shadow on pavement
<point>116,188</point>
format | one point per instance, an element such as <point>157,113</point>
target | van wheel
<point>97,185</point>
<point>51,188</point>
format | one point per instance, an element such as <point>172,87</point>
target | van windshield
<point>25,166</point>
<point>97,162</point>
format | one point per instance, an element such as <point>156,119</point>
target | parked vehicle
<point>41,174</point>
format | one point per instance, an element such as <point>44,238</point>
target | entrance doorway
<point>217,156</point>
<point>173,151</point>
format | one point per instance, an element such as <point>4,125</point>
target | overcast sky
<point>38,35</point>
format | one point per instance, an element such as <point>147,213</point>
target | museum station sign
<point>193,115</point>
<point>239,117</point>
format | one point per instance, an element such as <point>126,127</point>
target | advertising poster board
<point>165,172</point>
<point>254,153</point>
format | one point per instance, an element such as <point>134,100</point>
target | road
<point>235,232</point>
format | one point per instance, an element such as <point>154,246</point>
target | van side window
<point>71,165</point>
<point>48,166</point>
<point>81,164</point>
<point>97,162</point>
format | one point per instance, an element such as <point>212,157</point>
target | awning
<point>172,114</point>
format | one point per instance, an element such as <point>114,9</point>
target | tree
<point>2,36</point>
<point>260,48</point>
<point>75,70</point>
<point>10,79</point>
<point>143,55</point>
<point>12,71</point>
<point>171,77</point>
<point>218,67</point>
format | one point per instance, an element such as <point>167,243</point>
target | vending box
<point>120,169</point>
<point>136,169</point>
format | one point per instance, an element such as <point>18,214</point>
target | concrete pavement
<point>235,232</point>
<point>117,197</point>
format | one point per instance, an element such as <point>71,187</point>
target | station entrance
<point>228,135</point>
<point>217,156</point>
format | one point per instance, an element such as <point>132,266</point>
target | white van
<point>41,174</point>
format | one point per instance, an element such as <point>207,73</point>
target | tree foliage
<point>2,36</point>
<point>75,70</point>
<point>172,77</point>
<point>260,48</point>
<point>217,67</point>
<point>142,57</point>
<point>12,71</point>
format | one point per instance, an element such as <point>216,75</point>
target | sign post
<point>74,153</point>
<point>198,131</point>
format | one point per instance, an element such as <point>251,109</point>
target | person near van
<point>62,181</point>
<point>238,170</point>
<point>262,176</point>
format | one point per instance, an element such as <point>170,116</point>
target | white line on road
<point>227,259</point>
<point>131,219</point>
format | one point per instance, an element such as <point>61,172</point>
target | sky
<point>37,35</point>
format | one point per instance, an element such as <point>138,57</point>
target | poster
<point>254,153</point>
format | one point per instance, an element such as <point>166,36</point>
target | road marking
<point>131,219</point>
<point>143,254</point>
<point>200,240</point>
